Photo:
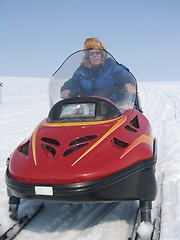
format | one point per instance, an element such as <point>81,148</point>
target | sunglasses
<point>98,52</point>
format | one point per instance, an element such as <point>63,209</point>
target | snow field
<point>25,103</point>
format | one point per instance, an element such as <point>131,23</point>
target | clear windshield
<point>94,73</point>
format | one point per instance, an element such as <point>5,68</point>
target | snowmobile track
<point>78,226</point>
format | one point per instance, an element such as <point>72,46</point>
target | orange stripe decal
<point>142,138</point>
<point>69,124</point>
<point>34,145</point>
<point>118,123</point>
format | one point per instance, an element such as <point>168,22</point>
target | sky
<point>37,35</point>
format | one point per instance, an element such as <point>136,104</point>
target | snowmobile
<point>88,149</point>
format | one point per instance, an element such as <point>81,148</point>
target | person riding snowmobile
<point>98,75</point>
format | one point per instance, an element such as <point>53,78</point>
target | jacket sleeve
<point>73,85</point>
<point>122,75</point>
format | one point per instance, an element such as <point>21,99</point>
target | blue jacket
<point>105,80</point>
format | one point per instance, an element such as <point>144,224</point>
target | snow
<point>145,230</point>
<point>25,103</point>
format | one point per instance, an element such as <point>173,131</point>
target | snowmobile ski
<point>156,224</point>
<point>19,224</point>
<point>137,223</point>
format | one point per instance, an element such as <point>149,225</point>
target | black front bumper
<point>134,183</point>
